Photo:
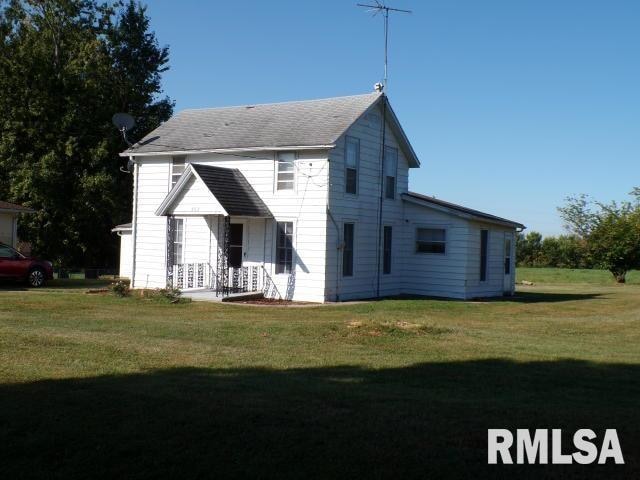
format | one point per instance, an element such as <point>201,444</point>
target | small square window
<point>431,240</point>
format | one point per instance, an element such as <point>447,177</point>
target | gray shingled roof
<point>460,208</point>
<point>14,207</point>
<point>303,123</point>
<point>232,190</point>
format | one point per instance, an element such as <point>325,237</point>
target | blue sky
<point>510,105</point>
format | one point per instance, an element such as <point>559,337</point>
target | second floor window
<point>351,161</point>
<point>177,169</point>
<point>286,173</point>
<point>390,171</point>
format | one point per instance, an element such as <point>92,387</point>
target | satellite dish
<point>123,121</point>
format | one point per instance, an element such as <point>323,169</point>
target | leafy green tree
<point>611,231</point>
<point>528,248</point>
<point>66,66</point>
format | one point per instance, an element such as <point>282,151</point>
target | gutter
<point>128,153</point>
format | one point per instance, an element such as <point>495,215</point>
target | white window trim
<point>346,141</point>
<point>276,162</point>
<point>293,247</point>
<point>432,227</point>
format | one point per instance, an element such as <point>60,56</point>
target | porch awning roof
<point>229,187</point>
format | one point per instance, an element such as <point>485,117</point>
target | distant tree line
<point>562,251</point>
<point>601,235</point>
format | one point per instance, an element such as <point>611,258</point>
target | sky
<point>511,106</point>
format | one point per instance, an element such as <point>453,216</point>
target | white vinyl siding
<point>363,210</point>
<point>305,206</point>
<point>494,283</point>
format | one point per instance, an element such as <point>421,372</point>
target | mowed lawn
<point>96,386</point>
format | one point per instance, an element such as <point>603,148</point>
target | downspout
<point>333,220</point>
<point>383,135</point>
<point>337,227</point>
<point>134,220</point>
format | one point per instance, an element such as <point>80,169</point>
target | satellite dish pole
<point>380,7</point>
<point>124,122</point>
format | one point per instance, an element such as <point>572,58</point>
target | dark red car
<point>15,266</point>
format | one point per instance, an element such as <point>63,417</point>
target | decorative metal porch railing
<point>246,279</point>
<point>202,276</point>
<point>191,276</point>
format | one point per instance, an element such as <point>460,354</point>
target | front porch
<point>219,235</point>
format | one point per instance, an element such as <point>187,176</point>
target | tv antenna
<point>380,7</point>
<point>124,122</point>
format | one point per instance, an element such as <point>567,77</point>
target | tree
<point>66,66</point>
<point>528,248</point>
<point>611,231</point>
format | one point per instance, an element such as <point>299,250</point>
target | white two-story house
<point>306,201</point>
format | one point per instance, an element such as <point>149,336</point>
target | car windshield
<point>7,252</point>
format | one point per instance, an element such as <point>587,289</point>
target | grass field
<point>96,386</point>
<point>572,276</point>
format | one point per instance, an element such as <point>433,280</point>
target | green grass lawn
<point>96,386</point>
<point>572,275</point>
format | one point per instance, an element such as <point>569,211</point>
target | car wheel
<point>36,277</point>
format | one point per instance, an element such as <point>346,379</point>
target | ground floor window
<point>431,240</point>
<point>484,248</point>
<point>284,247</point>
<point>387,238</point>
<point>177,239</point>
<point>347,251</point>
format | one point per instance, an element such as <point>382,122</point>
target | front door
<point>508,265</point>
<point>236,250</point>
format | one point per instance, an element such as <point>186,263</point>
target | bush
<point>172,295</point>
<point>120,288</point>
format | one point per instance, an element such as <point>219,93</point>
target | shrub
<point>172,295</point>
<point>120,288</point>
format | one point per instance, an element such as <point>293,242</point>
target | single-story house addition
<point>9,213</point>
<point>307,201</point>
<point>126,249</point>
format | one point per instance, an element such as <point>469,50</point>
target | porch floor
<point>210,296</point>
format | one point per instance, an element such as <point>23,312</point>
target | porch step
<point>242,297</point>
